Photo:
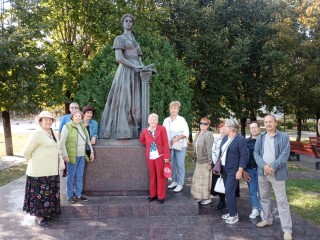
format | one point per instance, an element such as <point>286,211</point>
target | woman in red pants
<point>157,153</point>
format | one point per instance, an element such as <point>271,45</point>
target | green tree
<point>24,76</point>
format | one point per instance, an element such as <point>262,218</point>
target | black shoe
<point>49,218</point>
<point>42,223</point>
<point>160,201</point>
<point>83,198</point>
<point>71,200</point>
<point>150,199</point>
<point>221,205</point>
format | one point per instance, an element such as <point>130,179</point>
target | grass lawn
<point>19,141</point>
<point>7,175</point>
<point>304,198</point>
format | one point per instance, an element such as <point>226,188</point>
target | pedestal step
<point>176,204</point>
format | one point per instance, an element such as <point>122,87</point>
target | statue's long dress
<point>121,118</point>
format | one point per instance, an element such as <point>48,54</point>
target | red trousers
<point>158,183</point>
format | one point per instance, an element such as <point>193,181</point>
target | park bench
<point>310,149</point>
<point>315,143</point>
<point>298,148</point>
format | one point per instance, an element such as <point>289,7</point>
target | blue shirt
<point>93,128</point>
<point>64,119</point>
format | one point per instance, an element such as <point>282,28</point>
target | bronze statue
<point>121,118</point>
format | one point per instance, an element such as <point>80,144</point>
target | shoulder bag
<point>87,147</point>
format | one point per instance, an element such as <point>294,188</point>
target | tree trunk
<point>317,128</point>
<point>7,133</point>
<point>243,122</point>
<point>67,103</point>
<point>299,125</point>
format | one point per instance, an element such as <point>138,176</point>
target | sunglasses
<point>204,123</point>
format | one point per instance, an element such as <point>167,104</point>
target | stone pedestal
<point>119,169</point>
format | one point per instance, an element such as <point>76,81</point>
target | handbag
<point>87,147</point>
<point>219,187</point>
<point>62,165</point>
<point>167,170</point>
<point>176,145</point>
<point>88,150</point>
<point>217,167</point>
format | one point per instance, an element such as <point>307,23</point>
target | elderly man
<point>271,152</point>
<point>73,107</point>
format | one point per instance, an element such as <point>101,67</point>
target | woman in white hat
<point>42,193</point>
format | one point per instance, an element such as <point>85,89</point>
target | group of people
<point>260,159</point>
<point>46,153</point>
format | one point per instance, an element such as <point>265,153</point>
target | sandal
<point>42,223</point>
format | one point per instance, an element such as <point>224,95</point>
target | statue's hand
<point>138,68</point>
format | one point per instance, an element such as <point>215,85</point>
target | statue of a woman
<point>121,118</point>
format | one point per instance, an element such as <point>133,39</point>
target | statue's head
<point>124,16</point>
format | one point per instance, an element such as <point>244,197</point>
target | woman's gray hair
<point>233,124</point>
<point>153,115</point>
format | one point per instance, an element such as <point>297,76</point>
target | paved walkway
<point>15,224</point>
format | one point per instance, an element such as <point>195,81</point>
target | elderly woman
<point>215,154</point>
<point>74,137</point>
<point>234,158</point>
<point>91,125</point>
<point>157,153</point>
<point>178,132</point>
<point>42,193</point>
<point>202,146</point>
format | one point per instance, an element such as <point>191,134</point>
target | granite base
<point>119,169</point>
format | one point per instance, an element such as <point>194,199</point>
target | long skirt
<point>42,196</point>
<point>201,182</point>
<point>122,116</point>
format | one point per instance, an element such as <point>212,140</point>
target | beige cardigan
<point>42,154</point>
<point>202,148</point>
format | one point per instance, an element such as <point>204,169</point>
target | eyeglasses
<point>74,107</point>
<point>204,123</point>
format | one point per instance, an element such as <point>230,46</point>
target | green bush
<point>290,125</point>
<point>309,126</point>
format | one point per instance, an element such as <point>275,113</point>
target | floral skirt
<point>42,196</point>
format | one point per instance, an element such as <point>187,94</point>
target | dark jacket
<point>250,145</point>
<point>237,154</point>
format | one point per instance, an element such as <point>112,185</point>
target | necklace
<point>132,39</point>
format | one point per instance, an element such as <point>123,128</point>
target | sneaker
<point>254,213</point>
<point>225,216</point>
<point>263,223</point>
<point>178,188</point>
<point>199,201</point>
<point>82,198</point>
<point>173,185</point>
<point>206,202</point>
<point>71,200</point>
<point>287,236</point>
<point>232,220</point>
